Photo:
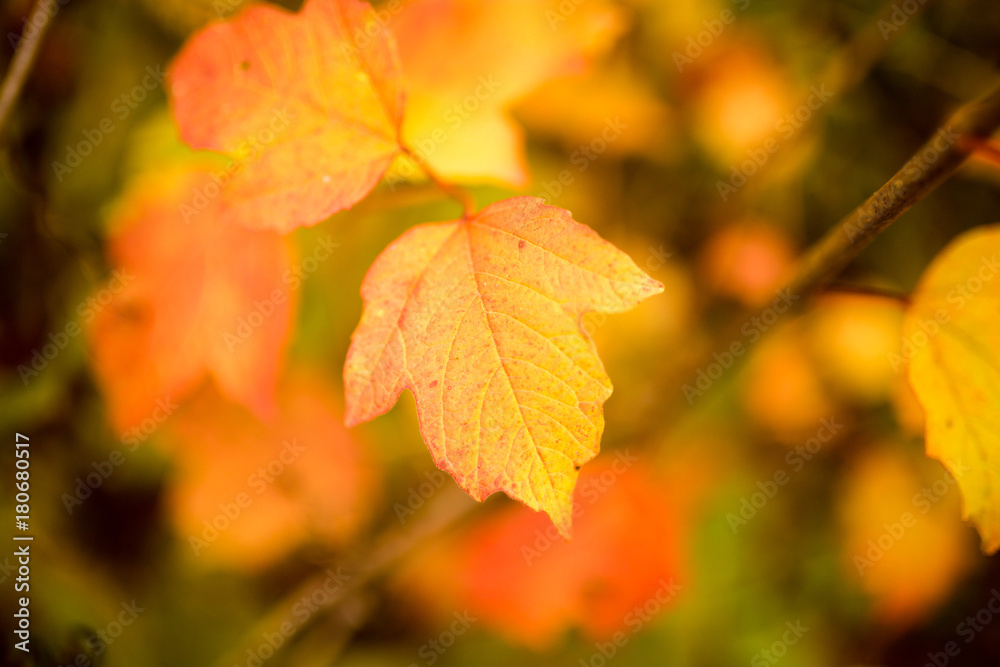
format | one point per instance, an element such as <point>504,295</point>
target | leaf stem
<point>24,58</point>
<point>458,193</point>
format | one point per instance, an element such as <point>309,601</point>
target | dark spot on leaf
<point>245,65</point>
<point>576,467</point>
<point>520,244</point>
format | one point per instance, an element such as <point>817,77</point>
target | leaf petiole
<point>456,192</point>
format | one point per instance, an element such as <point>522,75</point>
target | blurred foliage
<point>702,512</point>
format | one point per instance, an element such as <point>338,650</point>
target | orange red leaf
<point>626,564</point>
<point>307,105</point>
<point>247,493</point>
<point>198,299</point>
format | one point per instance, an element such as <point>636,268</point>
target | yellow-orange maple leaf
<point>307,105</point>
<point>950,335</point>
<point>457,116</point>
<point>480,319</point>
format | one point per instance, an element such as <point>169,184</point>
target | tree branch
<point>443,512</point>
<point>931,165</point>
<point>948,149</point>
<point>24,58</point>
<point>965,131</point>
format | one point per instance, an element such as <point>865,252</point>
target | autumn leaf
<point>480,319</point>
<point>950,335</point>
<point>783,393</point>
<point>554,110</point>
<point>851,338</point>
<point>739,104</point>
<point>457,118</point>
<point>198,299</point>
<point>514,573</point>
<point>902,542</point>
<point>299,479</point>
<point>308,106</point>
<point>748,261</point>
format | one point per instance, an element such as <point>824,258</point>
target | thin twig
<point>24,58</point>
<point>867,290</point>
<point>846,69</point>
<point>855,59</point>
<point>934,162</point>
<point>446,509</point>
<point>920,175</point>
<point>459,194</point>
<point>931,165</point>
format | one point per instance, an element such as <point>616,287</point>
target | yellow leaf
<point>952,337</point>
<point>623,115</point>
<point>902,541</point>
<point>457,105</point>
